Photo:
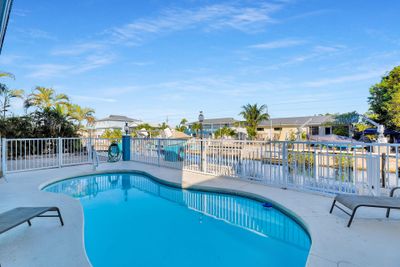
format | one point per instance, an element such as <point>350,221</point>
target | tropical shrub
<point>46,123</point>
<point>225,132</point>
<point>112,134</point>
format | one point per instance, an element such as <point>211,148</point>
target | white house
<point>281,128</point>
<point>114,122</point>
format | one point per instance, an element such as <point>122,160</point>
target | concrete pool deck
<point>372,239</point>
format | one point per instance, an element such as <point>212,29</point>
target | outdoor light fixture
<point>126,128</point>
<point>201,117</point>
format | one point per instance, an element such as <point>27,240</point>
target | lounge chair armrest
<point>393,189</point>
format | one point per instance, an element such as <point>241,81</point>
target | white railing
<point>321,167</point>
<point>161,152</point>
<point>42,153</point>
<point>360,168</point>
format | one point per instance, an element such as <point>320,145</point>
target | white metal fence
<point>359,168</point>
<point>322,167</point>
<point>41,153</point>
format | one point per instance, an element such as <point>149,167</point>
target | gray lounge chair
<point>353,202</point>
<point>17,216</point>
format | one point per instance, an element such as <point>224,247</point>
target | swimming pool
<point>132,220</point>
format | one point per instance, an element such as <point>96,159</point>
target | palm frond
<point>7,74</point>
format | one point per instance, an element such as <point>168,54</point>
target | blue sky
<point>153,59</point>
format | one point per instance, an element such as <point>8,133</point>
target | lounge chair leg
<point>333,205</point>
<point>60,217</point>
<point>352,217</point>
<point>29,223</point>
<point>387,213</point>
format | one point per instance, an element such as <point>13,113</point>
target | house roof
<point>217,121</point>
<point>118,118</point>
<point>298,121</point>
<point>179,135</point>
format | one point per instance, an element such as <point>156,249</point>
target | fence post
<point>205,157</point>
<point>373,171</point>
<point>316,165</point>
<point>201,155</point>
<point>158,151</point>
<point>126,147</point>
<point>59,152</point>
<point>383,163</point>
<point>284,163</point>
<point>4,156</point>
<point>90,150</point>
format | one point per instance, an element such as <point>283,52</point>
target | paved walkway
<point>372,240</point>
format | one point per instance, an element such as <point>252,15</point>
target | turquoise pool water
<point>131,220</point>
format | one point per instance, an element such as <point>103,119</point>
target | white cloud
<point>317,53</point>
<point>93,62</point>
<point>48,70</point>
<point>142,63</point>
<point>346,78</point>
<point>279,44</point>
<point>212,17</point>
<point>84,98</point>
<point>328,48</point>
<point>57,70</point>
<point>385,36</point>
<point>9,59</point>
<point>309,14</point>
<point>120,90</point>
<point>78,49</point>
<point>36,34</point>
<point>20,12</point>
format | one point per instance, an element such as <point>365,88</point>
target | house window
<point>278,129</point>
<point>314,130</point>
<point>327,130</point>
<point>260,129</point>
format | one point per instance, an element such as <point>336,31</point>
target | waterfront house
<point>210,126</point>
<point>284,128</point>
<point>113,122</point>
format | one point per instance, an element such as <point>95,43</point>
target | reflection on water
<point>242,212</point>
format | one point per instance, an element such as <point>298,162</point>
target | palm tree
<point>183,122</point>
<point>63,109</point>
<point>253,115</point>
<point>225,132</point>
<point>8,94</point>
<point>7,74</point>
<point>164,125</point>
<point>45,98</point>
<point>80,114</point>
<point>196,127</point>
<point>182,125</point>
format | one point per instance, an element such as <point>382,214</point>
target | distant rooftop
<point>118,118</point>
<point>298,121</point>
<point>217,121</point>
